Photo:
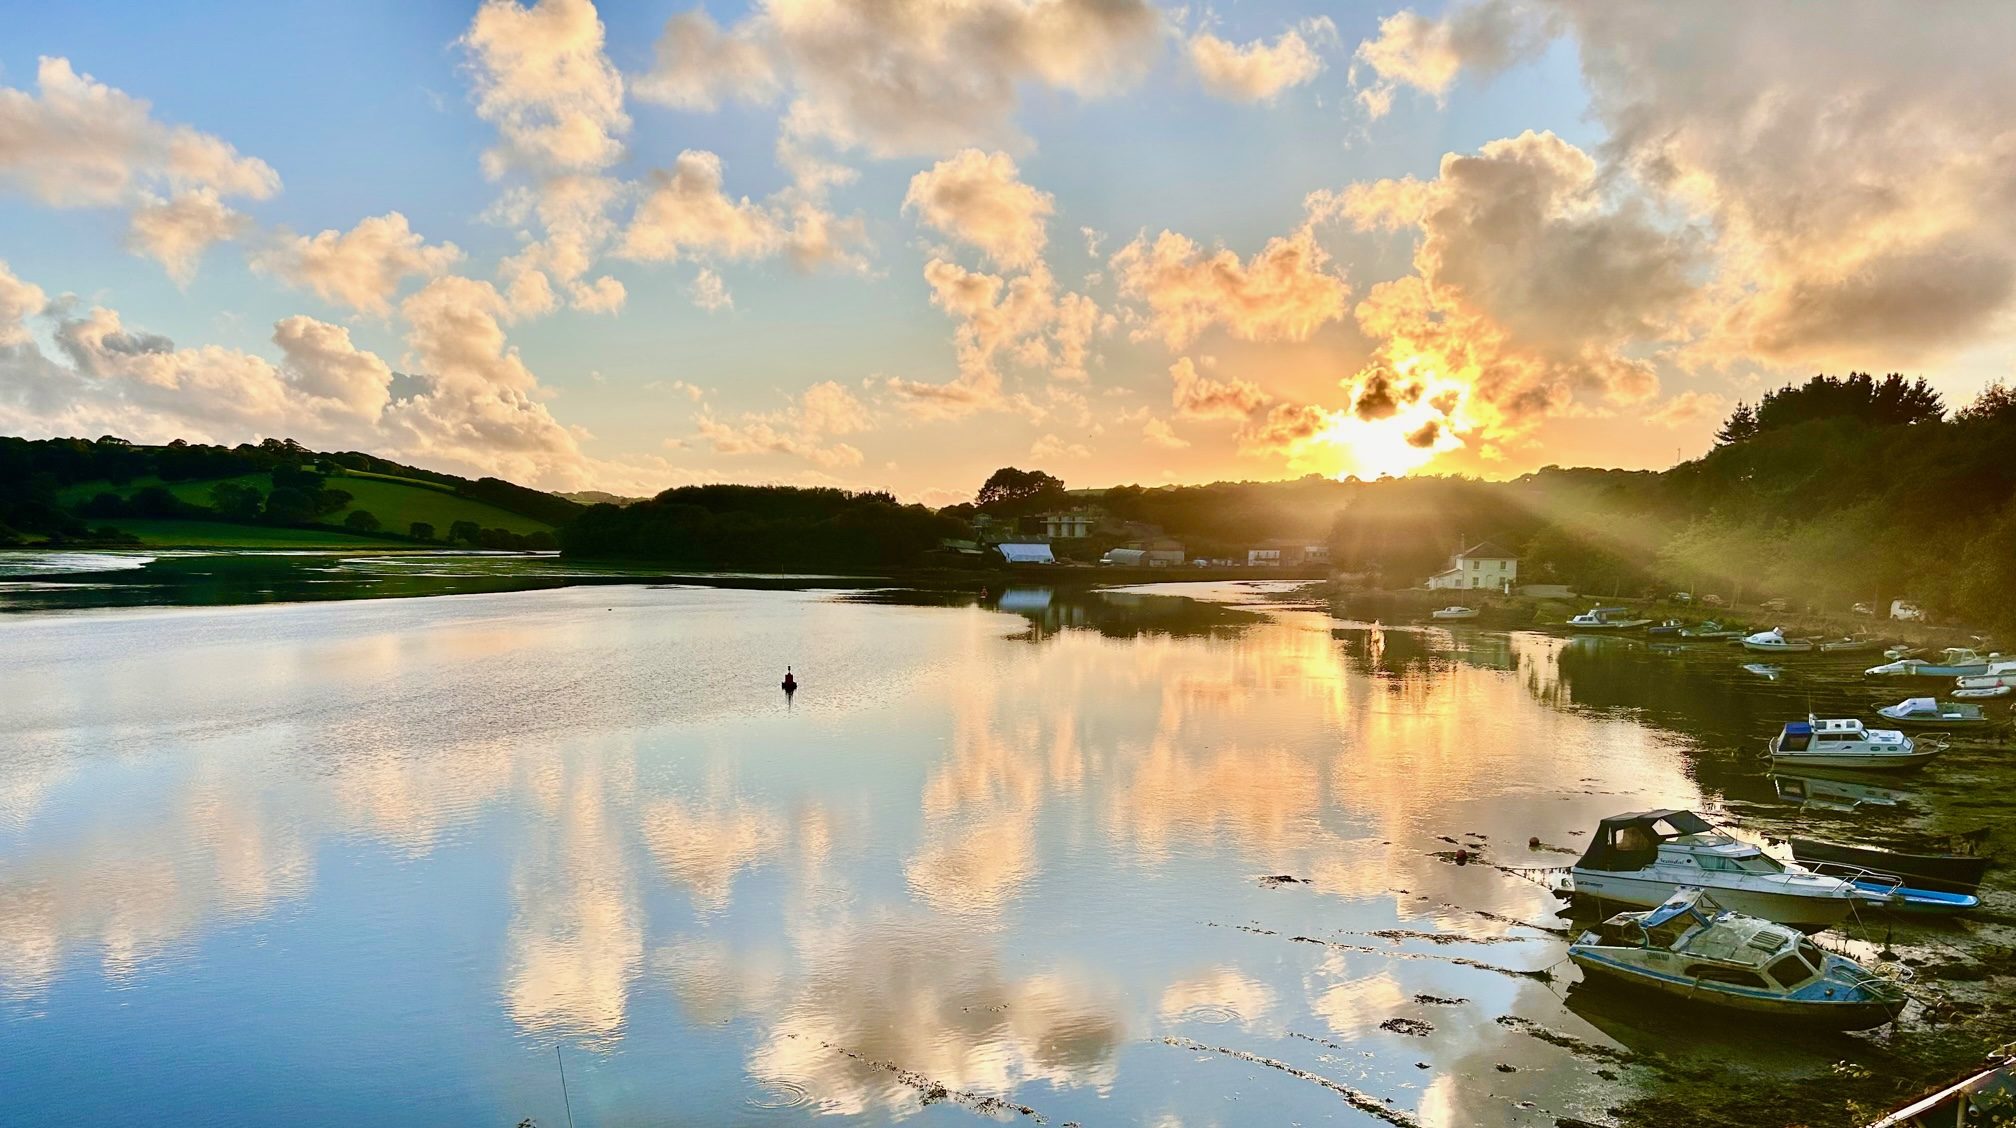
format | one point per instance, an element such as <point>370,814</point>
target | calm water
<point>371,862</point>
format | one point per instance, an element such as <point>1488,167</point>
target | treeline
<point>762,527</point>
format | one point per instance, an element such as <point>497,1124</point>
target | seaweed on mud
<point>1363,1102</point>
<point>1398,934</point>
<point>1277,880</point>
<point>931,1092</point>
<point>1412,1027</point>
<point>1543,975</point>
<point>1439,1001</point>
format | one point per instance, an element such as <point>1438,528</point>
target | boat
<point>1979,1100</point>
<point>1669,627</point>
<point>1847,645</point>
<point>1774,641</point>
<point>1952,873</point>
<point>1845,742</point>
<point>1898,652</point>
<point>1691,948</point>
<point>1983,694</point>
<point>1600,619</point>
<point>1998,675</point>
<point>1711,630</point>
<point>1642,858</point>
<point>1768,673</point>
<point>1819,791</point>
<point>1953,662</point>
<point>1454,613</point>
<point>1930,712</point>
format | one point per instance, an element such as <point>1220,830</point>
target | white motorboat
<point>1448,613</point>
<point>1691,948</point>
<point>1982,694</point>
<point>1847,743</point>
<point>1643,857</point>
<point>1953,662</point>
<point>1774,641</point>
<point>1930,712</point>
<point>1996,676</point>
<point>1606,619</point>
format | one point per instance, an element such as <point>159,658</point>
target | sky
<point>895,244</point>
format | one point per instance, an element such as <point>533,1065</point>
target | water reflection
<point>1001,868</point>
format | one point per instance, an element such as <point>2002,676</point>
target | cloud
<point>979,199</point>
<point>573,214</point>
<point>1688,407</point>
<point>1530,284</point>
<point>1200,397</point>
<point>176,232</point>
<point>541,78</point>
<point>19,301</point>
<point>1022,317</point>
<point>1051,447</point>
<point>361,268</point>
<point>804,429</point>
<point>81,143</point>
<point>686,213</point>
<point>1256,71</point>
<point>709,292</point>
<point>320,361</point>
<point>1285,292</point>
<point>905,78</point>
<point>698,66</point>
<point>1427,55</point>
<point>1158,433</point>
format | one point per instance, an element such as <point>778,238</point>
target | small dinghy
<point>1985,693</point>
<point>1711,630</point>
<point>1848,646</point>
<point>1844,742</point>
<point>1977,1100</point>
<point>1774,641</point>
<point>1606,619</point>
<point>1953,662</point>
<point>1930,712</point>
<point>1448,613</point>
<point>1951,873</point>
<point>1998,675</point>
<point>1669,627</point>
<point>1692,949</point>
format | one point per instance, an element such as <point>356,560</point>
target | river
<point>1007,856</point>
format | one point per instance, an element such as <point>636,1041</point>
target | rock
<point>1412,1027</point>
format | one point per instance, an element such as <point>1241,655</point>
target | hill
<point>108,491</point>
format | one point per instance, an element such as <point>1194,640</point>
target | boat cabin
<point>1631,841</point>
<point>1816,735</point>
<point>1725,947</point>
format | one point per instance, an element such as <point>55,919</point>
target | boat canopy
<point>1695,901</point>
<point>1919,705</point>
<point>1631,841</point>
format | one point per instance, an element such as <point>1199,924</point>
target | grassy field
<point>217,534</point>
<point>396,502</point>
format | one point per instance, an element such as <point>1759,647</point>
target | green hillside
<point>159,533</point>
<point>396,502</point>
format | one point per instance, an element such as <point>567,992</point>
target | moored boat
<point>1844,742</point>
<point>1669,627</point>
<point>1984,694</point>
<point>1930,712</point>
<point>1711,630</point>
<point>1447,613</point>
<point>1847,645</point>
<point>1953,873</point>
<point>1774,641</point>
<point>1998,675</point>
<point>1691,948</point>
<point>1977,1100</point>
<point>1606,619</point>
<point>1642,858</point>
<point>1953,662</point>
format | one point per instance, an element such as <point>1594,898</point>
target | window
<point>1734,976</point>
<point>1791,971</point>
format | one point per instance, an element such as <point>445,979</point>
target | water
<point>372,861</point>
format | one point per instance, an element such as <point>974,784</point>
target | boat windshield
<point>1791,971</point>
<point>1748,863</point>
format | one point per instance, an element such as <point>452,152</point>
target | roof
<point>1685,821</point>
<point>1485,550</point>
<point>1027,553</point>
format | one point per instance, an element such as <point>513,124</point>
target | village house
<point>1481,566</point>
<point>1068,524</point>
<point>1287,554</point>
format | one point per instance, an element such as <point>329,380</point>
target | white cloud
<point>709,292</point>
<point>1256,71</point>
<point>541,78</point>
<point>81,143</point>
<point>686,212</point>
<point>1050,447</point>
<point>804,429</point>
<point>1158,433</point>
<point>1285,292</point>
<point>980,199</point>
<point>361,268</point>
<point>1022,317</point>
<point>904,78</point>
<point>177,231</point>
<point>1196,396</point>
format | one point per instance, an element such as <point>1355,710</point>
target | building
<point>1125,557</point>
<point>1068,524</point>
<point>1481,566</point>
<point>1164,552</point>
<point>1026,553</point>
<point>1287,554</point>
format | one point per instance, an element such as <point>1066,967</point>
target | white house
<point>1074,524</point>
<point>1483,566</point>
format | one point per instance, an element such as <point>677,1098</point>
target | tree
<point>236,502</point>
<point>1742,424</point>
<point>289,506</point>
<point>1009,491</point>
<point>464,531</point>
<point>330,501</point>
<point>421,531</point>
<point>361,521</point>
<point>1890,402</point>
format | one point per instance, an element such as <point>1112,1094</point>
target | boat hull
<point>1798,910</point>
<point>1859,761</point>
<point>1857,1015</point>
<point>1950,873</point>
<point>1778,647</point>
